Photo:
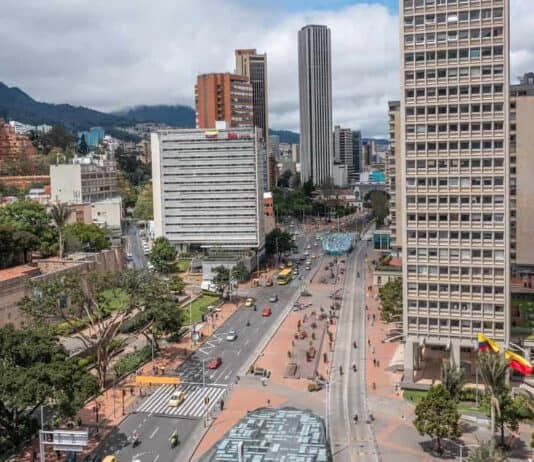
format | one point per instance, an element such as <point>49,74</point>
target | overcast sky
<point>110,54</point>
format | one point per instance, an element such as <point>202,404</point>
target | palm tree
<point>486,453</point>
<point>60,213</point>
<point>453,379</point>
<point>493,369</point>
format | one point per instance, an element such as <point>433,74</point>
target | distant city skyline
<point>114,57</point>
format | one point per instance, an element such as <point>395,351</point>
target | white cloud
<point>110,55</point>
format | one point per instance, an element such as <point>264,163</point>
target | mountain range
<point>17,105</point>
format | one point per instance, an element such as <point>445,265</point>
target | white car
<point>231,336</point>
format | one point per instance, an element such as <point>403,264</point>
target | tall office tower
<point>521,184</point>
<point>207,189</point>
<point>223,97</point>
<point>254,66</point>
<point>455,198</point>
<point>344,150</point>
<point>356,151</point>
<point>393,175</point>
<point>315,97</point>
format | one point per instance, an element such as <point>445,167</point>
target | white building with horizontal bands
<point>208,190</point>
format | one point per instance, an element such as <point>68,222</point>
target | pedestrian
<point>369,341</point>
<point>368,317</point>
<point>374,362</point>
<point>374,317</point>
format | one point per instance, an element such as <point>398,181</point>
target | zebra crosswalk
<point>194,405</point>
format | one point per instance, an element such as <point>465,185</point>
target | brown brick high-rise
<point>225,97</point>
<point>17,153</point>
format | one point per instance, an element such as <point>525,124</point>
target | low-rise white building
<point>208,191</point>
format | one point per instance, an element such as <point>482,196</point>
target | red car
<point>266,312</point>
<point>215,363</point>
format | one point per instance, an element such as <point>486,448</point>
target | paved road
<point>134,246</point>
<point>350,441</point>
<point>155,421</point>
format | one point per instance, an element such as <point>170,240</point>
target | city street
<point>351,441</point>
<point>154,420</point>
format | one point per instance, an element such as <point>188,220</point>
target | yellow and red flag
<point>518,363</point>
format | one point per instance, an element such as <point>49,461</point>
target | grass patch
<point>414,396</point>
<point>182,264</point>
<point>199,306</point>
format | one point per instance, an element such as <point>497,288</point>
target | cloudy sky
<point>110,54</point>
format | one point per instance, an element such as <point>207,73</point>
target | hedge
<point>131,361</point>
<point>137,321</point>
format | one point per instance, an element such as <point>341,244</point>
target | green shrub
<point>131,361</point>
<point>136,322</point>
<point>63,329</point>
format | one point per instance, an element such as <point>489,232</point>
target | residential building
<point>93,137</point>
<point>85,180</point>
<point>345,152</point>
<point>295,153</point>
<point>107,213</point>
<point>16,150</point>
<point>455,177</point>
<point>223,97</point>
<point>340,175</point>
<point>253,65</point>
<point>208,189</point>
<point>315,98</point>
<point>393,172</point>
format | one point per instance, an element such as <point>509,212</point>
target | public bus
<point>284,277</point>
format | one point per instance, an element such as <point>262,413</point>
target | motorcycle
<point>354,368</point>
<point>354,344</point>
<point>134,440</point>
<point>174,440</point>
<point>340,370</point>
<point>355,418</point>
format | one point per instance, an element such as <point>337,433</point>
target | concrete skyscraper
<point>455,170</point>
<point>315,97</point>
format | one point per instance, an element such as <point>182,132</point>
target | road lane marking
<point>156,459</point>
<point>154,432</point>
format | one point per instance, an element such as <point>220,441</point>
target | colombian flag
<point>485,344</point>
<point>518,363</point>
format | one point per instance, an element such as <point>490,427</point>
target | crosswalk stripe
<point>193,405</point>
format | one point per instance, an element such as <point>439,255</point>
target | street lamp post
<point>203,373</point>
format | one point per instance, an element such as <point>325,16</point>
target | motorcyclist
<point>174,438</point>
<point>354,368</point>
<point>355,418</point>
<point>340,370</point>
<point>248,322</point>
<point>354,344</point>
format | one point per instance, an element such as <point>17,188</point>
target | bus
<point>284,277</point>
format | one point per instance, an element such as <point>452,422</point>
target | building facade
<point>93,137</point>
<point>345,152</point>
<point>356,152</point>
<point>315,100</point>
<point>208,188</point>
<point>17,153</point>
<point>393,174</point>
<point>454,149</point>
<point>223,97</point>
<point>253,65</point>
<point>85,180</point>
<point>521,168</point>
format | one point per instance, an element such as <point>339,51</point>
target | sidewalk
<point>111,410</point>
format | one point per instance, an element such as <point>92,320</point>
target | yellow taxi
<point>177,398</point>
<point>249,302</point>
<point>110,459</point>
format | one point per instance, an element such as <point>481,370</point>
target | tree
<point>379,205</point>
<point>240,272</point>
<point>60,213</point>
<point>86,237</point>
<point>278,241</point>
<point>307,188</point>
<point>437,416</point>
<point>144,209</point>
<point>511,411</point>
<point>32,217</point>
<point>16,246</point>
<point>486,453</point>
<point>221,280</point>
<point>162,255</point>
<point>83,148</point>
<point>177,284</point>
<point>390,295</point>
<point>283,181</point>
<point>36,370</point>
<point>127,191</point>
<point>493,372</point>
<point>453,379</point>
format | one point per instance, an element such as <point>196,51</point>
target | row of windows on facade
<point>446,164</point>
<point>454,109</point>
<point>444,305</point>
<point>468,324</point>
<point>455,271</point>
<point>487,201</point>
<point>443,146</point>
<point>465,218</point>
<point>420,3</point>
<point>462,53</point>
<point>489,290</point>
<point>454,128</point>
<point>455,72</point>
<point>445,237</point>
<point>452,17</point>
<point>462,90</point>
<point>453,35</point>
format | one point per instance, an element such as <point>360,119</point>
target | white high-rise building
<point>455,175</point>
<point>315,97</point>
<point>208,190</point>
